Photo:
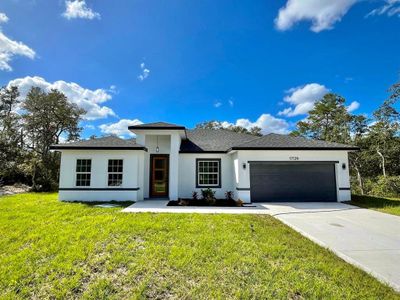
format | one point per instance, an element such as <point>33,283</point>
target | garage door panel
<point>287,182</point>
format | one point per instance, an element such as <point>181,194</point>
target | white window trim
<point>76,173</point>
<point>218,173</point>
<point>123,168</point>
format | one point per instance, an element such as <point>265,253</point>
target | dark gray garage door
<point>292,182</point>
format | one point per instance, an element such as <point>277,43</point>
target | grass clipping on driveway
<point>51,249</point>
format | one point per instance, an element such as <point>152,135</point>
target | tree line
<point>27,129</point>
<point>375,169</point>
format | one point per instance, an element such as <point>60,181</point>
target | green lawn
<point>68,250</point>
<point>386,205</point>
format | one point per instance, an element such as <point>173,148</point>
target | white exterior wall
<point>242,176</point>
<point>133,163</point>
<point>187,174</point>
<point>182,169</point>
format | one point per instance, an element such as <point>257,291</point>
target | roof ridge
<point>318,140</point>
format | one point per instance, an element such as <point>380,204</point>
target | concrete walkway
<point>160,206</point>
<point>362,237</point>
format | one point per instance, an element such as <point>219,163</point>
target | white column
<point>174,166</point>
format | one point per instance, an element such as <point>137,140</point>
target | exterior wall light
<point>343,166</point>
<point>157,148</point>
<point>244,166</point>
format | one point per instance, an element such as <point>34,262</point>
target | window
<point>115,170</point>
<point>83,169</point>
<point>208,173</point>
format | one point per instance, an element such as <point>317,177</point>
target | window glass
<point>208,172</point>
<point>115,172</point>
<point>83,170</point>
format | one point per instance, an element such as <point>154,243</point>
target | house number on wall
<point>293,158</point>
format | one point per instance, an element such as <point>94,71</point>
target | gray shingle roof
<point>108,142</point>
<point>157,125</point>
<point>279,141</point>
<point>210,140</point>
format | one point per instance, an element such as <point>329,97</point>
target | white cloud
<point>303,99</point>
<point>78,9</point>
<point>120,128</point>
<point>353,106</point>
<point>390,8</point>
<point>323,14</point>
<point>87,99</point>
<point>231,103</point>
<point>9,49</point>
<point>266,122</point>
<point>3,18</point>
<point>90,126</point>
<point>217,104</point>
<point>113,90</point>
<point>145,72</point>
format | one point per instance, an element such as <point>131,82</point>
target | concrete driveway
<point>362,237</point>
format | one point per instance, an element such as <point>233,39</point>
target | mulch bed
<point>201,202</point>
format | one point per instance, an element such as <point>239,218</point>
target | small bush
<point>388,186</point>
<point>229,195</point>
<point>208,195</point>
<point>195,195</point>
<point>239,202</point>
<point>183,202</point>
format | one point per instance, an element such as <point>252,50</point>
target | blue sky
<point>244,62</point>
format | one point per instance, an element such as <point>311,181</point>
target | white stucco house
<point>169,161</point>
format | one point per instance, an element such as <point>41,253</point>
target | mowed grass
<point>386,205</point>
<point>60,250</point>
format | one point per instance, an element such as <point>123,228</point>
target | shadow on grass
<point>374,202</point>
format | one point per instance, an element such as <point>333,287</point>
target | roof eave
<point>60,147</point>
<point>200,152</point>
<point>297,148</point>
<point>138,127</point>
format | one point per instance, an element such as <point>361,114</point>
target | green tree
<point>48,117</point>
<point>11,144</point>
<point>384,133</point>
<point>215,125</point>
<point>328,121</point>
<point>358,160</point>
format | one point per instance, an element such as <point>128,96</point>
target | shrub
<point>229,195</point>
<point>208,195</point>
<point>388,186</point>
<point>239,202</point>
<point>195,195</point>
<point>183,202</point>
